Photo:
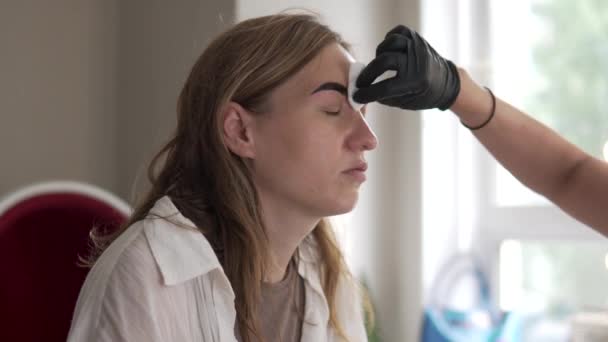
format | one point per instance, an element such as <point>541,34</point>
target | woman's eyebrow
<point>332,86</point>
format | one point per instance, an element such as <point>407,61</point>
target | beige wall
<point>158,45</point>
<point>57,92</point>
<point>88,88</point>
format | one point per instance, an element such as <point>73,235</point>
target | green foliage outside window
<point>572,58</point>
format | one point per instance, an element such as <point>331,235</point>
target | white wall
<point>442,212</point>
<point>386,226</point>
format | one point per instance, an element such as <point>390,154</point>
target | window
<point>558,51</point>
<point>549,58</point>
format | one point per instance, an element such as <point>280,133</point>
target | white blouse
<point>160,281</point>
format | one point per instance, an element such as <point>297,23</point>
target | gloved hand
<point>424,79</point>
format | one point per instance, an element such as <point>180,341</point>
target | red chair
<point>44,228</point>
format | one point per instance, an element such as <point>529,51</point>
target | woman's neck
<point>286,228</point>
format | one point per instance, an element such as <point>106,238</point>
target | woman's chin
<point>344,206</point>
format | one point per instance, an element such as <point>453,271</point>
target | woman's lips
<point>358,172</point>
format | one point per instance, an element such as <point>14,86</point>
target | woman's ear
<point>238,130</point>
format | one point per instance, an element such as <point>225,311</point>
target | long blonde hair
<point>205,180</point>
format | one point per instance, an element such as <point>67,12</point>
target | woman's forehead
<point>332,64</point>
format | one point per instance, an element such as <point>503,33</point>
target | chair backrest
<point>44,228</point>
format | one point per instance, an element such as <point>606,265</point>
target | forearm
<point>535,154</point>
<point>538,156</point>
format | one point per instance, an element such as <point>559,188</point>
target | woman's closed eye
<point>333,107</point>
<point>332,111</point>
<point>330,102</point>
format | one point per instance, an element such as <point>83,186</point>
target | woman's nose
<point>363,137</point>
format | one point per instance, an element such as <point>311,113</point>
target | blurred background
<point>88,93</point>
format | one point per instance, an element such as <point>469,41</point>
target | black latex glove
<point>424,79</point>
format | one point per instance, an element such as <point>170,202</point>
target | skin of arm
<point>536,155</point>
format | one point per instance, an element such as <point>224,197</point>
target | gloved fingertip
<point>361,96</point>
<point>356,96</point>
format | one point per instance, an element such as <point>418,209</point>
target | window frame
<point>479,225</point>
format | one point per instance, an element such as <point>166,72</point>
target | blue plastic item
<point>443,324</point>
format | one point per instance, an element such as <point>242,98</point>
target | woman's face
<point>310,145</point>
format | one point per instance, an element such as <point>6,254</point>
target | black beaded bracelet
<point>473,128</point>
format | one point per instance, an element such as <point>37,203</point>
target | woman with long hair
<point>232,242</point>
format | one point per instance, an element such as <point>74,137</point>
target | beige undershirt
<point>281,309</point>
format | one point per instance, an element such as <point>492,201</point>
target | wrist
<point>474,103</point>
